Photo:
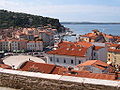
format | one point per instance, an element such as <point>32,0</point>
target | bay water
<point>81,29</point>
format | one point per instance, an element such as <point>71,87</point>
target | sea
<point>81,29</point>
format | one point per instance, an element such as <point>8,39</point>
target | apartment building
<point>70,54</point>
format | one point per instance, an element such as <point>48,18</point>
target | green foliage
<point>12,19</point>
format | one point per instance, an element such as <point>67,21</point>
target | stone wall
<point>26,81</point>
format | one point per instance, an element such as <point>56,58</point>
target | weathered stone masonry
<point>36,83</point>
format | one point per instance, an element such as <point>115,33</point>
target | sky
<point>68,10</point>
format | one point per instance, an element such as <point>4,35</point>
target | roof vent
<point>79,49</point>
<point>73,49</point>
<point>68,49</point>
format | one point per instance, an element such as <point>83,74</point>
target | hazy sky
<point>68,10</point>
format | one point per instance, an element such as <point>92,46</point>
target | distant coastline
<point>88,23</point>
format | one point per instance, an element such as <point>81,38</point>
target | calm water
<point>113,29</point>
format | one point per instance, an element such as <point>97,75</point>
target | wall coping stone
<point>63,78</point>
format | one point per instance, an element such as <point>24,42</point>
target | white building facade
<point>64,60</point>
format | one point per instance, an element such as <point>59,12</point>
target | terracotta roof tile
<point>72,49</point>
<point>95,63</point>
<point>81,52</point>
<point>114,50</point>
<point>40,67</point>
<point>64,71</point>
<point>5,66</point>
<point>114,45</point>
<point>98,47</point>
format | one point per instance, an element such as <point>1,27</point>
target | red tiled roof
<point>114,45</point>
<point>65,43</point>
<point>90,35</point>
<point>56,70</point>
<point>107,36</point>
<point>86,74</point>
<point>5,66</point>
<point>70,51</point>
<point>114,50</point>
<point>84,44</point>
<point>13,40</point>
<point>98,47</point>
<point>94,35</point>
<point>96,63</point>
<point>40,67</point>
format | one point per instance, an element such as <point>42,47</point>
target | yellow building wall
<point>113,57</point>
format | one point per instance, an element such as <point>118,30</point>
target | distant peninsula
<point>14,19</point>
<point>90,22</point>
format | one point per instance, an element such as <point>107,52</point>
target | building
<point>5,45</point>
<point>113,54</point>
<point>95,66</point>
<point>20,45</point>
<point>100,53</point>
<point>23,45</point>
<point>44,34</point>
<point>14,45</point>
<point>97,36</point>
<point>35,46</point>
<point>70,54</point>
<point>47,38</point>
<point>87,74</point>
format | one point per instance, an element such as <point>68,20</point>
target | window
<point>94,54</point>
<point>57,59</point>
<point>71,61</point>
<point>64,61</point>
<point>79,62</point>
<point>51,59</point>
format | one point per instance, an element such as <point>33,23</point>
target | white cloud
<point>7,3</point>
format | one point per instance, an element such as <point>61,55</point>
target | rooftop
<point>40,67</point>
<point>114,50</point>
<point>98,47</point>
<point>70,51</point>
<point>17,61</point>
<point>5,66</point>
<point>72,48</point>
<point>95,63</point>
<point>87,74</point>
